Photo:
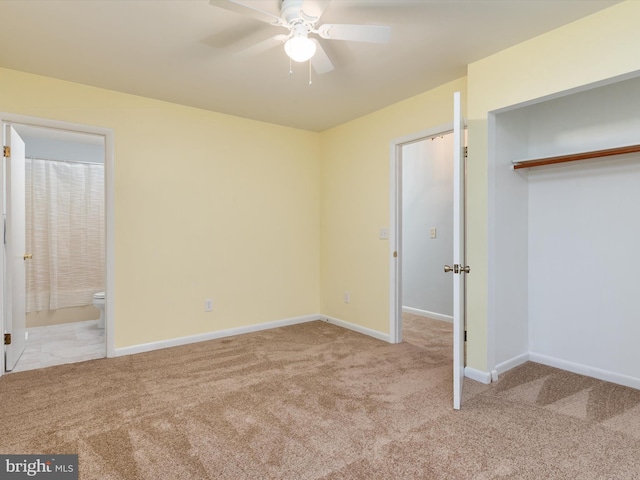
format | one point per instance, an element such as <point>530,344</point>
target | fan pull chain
<point>310,82</point>
<point>290,69</point>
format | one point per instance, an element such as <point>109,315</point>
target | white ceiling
<point>184,51</point>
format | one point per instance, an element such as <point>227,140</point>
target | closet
<point>564,237</point>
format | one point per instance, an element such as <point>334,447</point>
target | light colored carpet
<point>315,401</point>
<point>435,336</point>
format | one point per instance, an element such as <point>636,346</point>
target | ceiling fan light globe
<point>299,48</point>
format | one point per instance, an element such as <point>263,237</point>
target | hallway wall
<point>427,203</point>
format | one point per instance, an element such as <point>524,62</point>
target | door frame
<point>15,244</point>
<point>109,196</point>
<point>395,232</point>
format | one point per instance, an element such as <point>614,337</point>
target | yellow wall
<point>596,48</point>
<point>206,206</point>
<point>211,205</point>
<point>355,204</point>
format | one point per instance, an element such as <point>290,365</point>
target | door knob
<point>456,269</point>
<point>27,256</point>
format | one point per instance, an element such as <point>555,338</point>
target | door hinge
<point>7,339</point>
<point>6,152</point>
<point>466,152</point>
<point>465,335</point>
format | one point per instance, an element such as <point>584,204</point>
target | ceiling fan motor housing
<point>291,11</point>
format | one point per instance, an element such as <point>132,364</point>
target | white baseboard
<point>598,373</point>
<point>578,368</point>
<point>426,313</point>
<point>174,342</point>
<point>512,363</point>
<point>477,375</point>
<point>357,328</point>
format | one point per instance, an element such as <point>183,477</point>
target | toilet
<point>98,302</point>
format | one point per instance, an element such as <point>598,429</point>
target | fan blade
<point>262,46</point>
<point>320,61</point>
<point>244,9</point>
<point>313,9</point>
<point>356,33</point>
<point>238,35</point>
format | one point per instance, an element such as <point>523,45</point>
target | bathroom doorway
<point>68,213</point>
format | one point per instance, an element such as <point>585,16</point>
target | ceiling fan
<point>300,17</point>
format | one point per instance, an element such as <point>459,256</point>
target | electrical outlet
<point>208,305</point>
<point>383,234</point>
<point>347,297</point>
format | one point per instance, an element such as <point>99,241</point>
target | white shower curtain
<point>65,233</point>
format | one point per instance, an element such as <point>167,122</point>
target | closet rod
<point>576,156</point>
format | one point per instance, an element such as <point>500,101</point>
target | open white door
<point>459,268</point>
<point>15,311</point>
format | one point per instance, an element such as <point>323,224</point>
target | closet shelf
<point>575,156</point>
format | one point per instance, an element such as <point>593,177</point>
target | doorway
<point>411,232</point>
<point>427,243</point>
<point>427,226</point>
<point>55,150</point>
<point>458,267</point>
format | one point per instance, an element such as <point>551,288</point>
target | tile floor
<point>58,344</point>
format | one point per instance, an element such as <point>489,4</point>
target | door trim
<point>14,303</point>
<point>109,169</point>
<point>395,220</point>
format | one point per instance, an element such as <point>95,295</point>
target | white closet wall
<point>584,230</point>
<point>563,238</point>
<point>508,241</point>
